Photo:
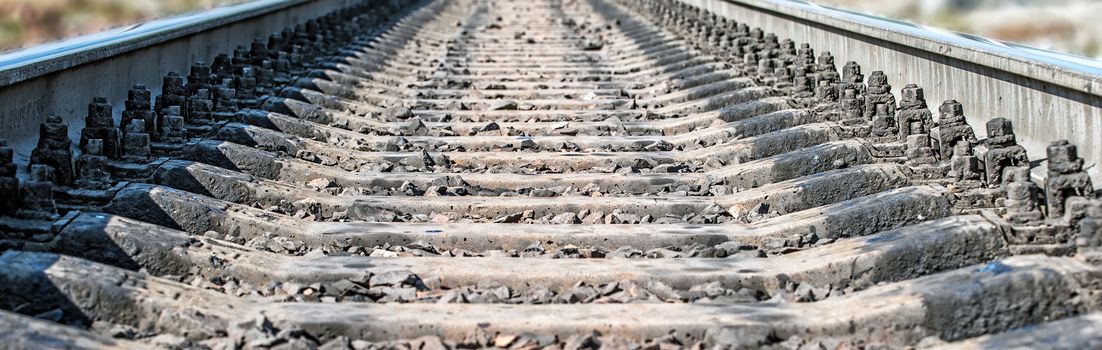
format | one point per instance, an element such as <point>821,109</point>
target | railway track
<point>541,174</point>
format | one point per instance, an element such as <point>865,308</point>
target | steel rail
<point>29,63</point>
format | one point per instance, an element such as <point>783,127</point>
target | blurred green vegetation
<point>29,22</point>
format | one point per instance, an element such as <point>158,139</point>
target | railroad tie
<point>540,174</point>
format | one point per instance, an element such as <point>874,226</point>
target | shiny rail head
<point>32,62</point>
<point>1071,71</point>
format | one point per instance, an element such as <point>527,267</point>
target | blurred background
<point>28,22</point>
<point>1073,26</point>
<point>1063,25</point>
